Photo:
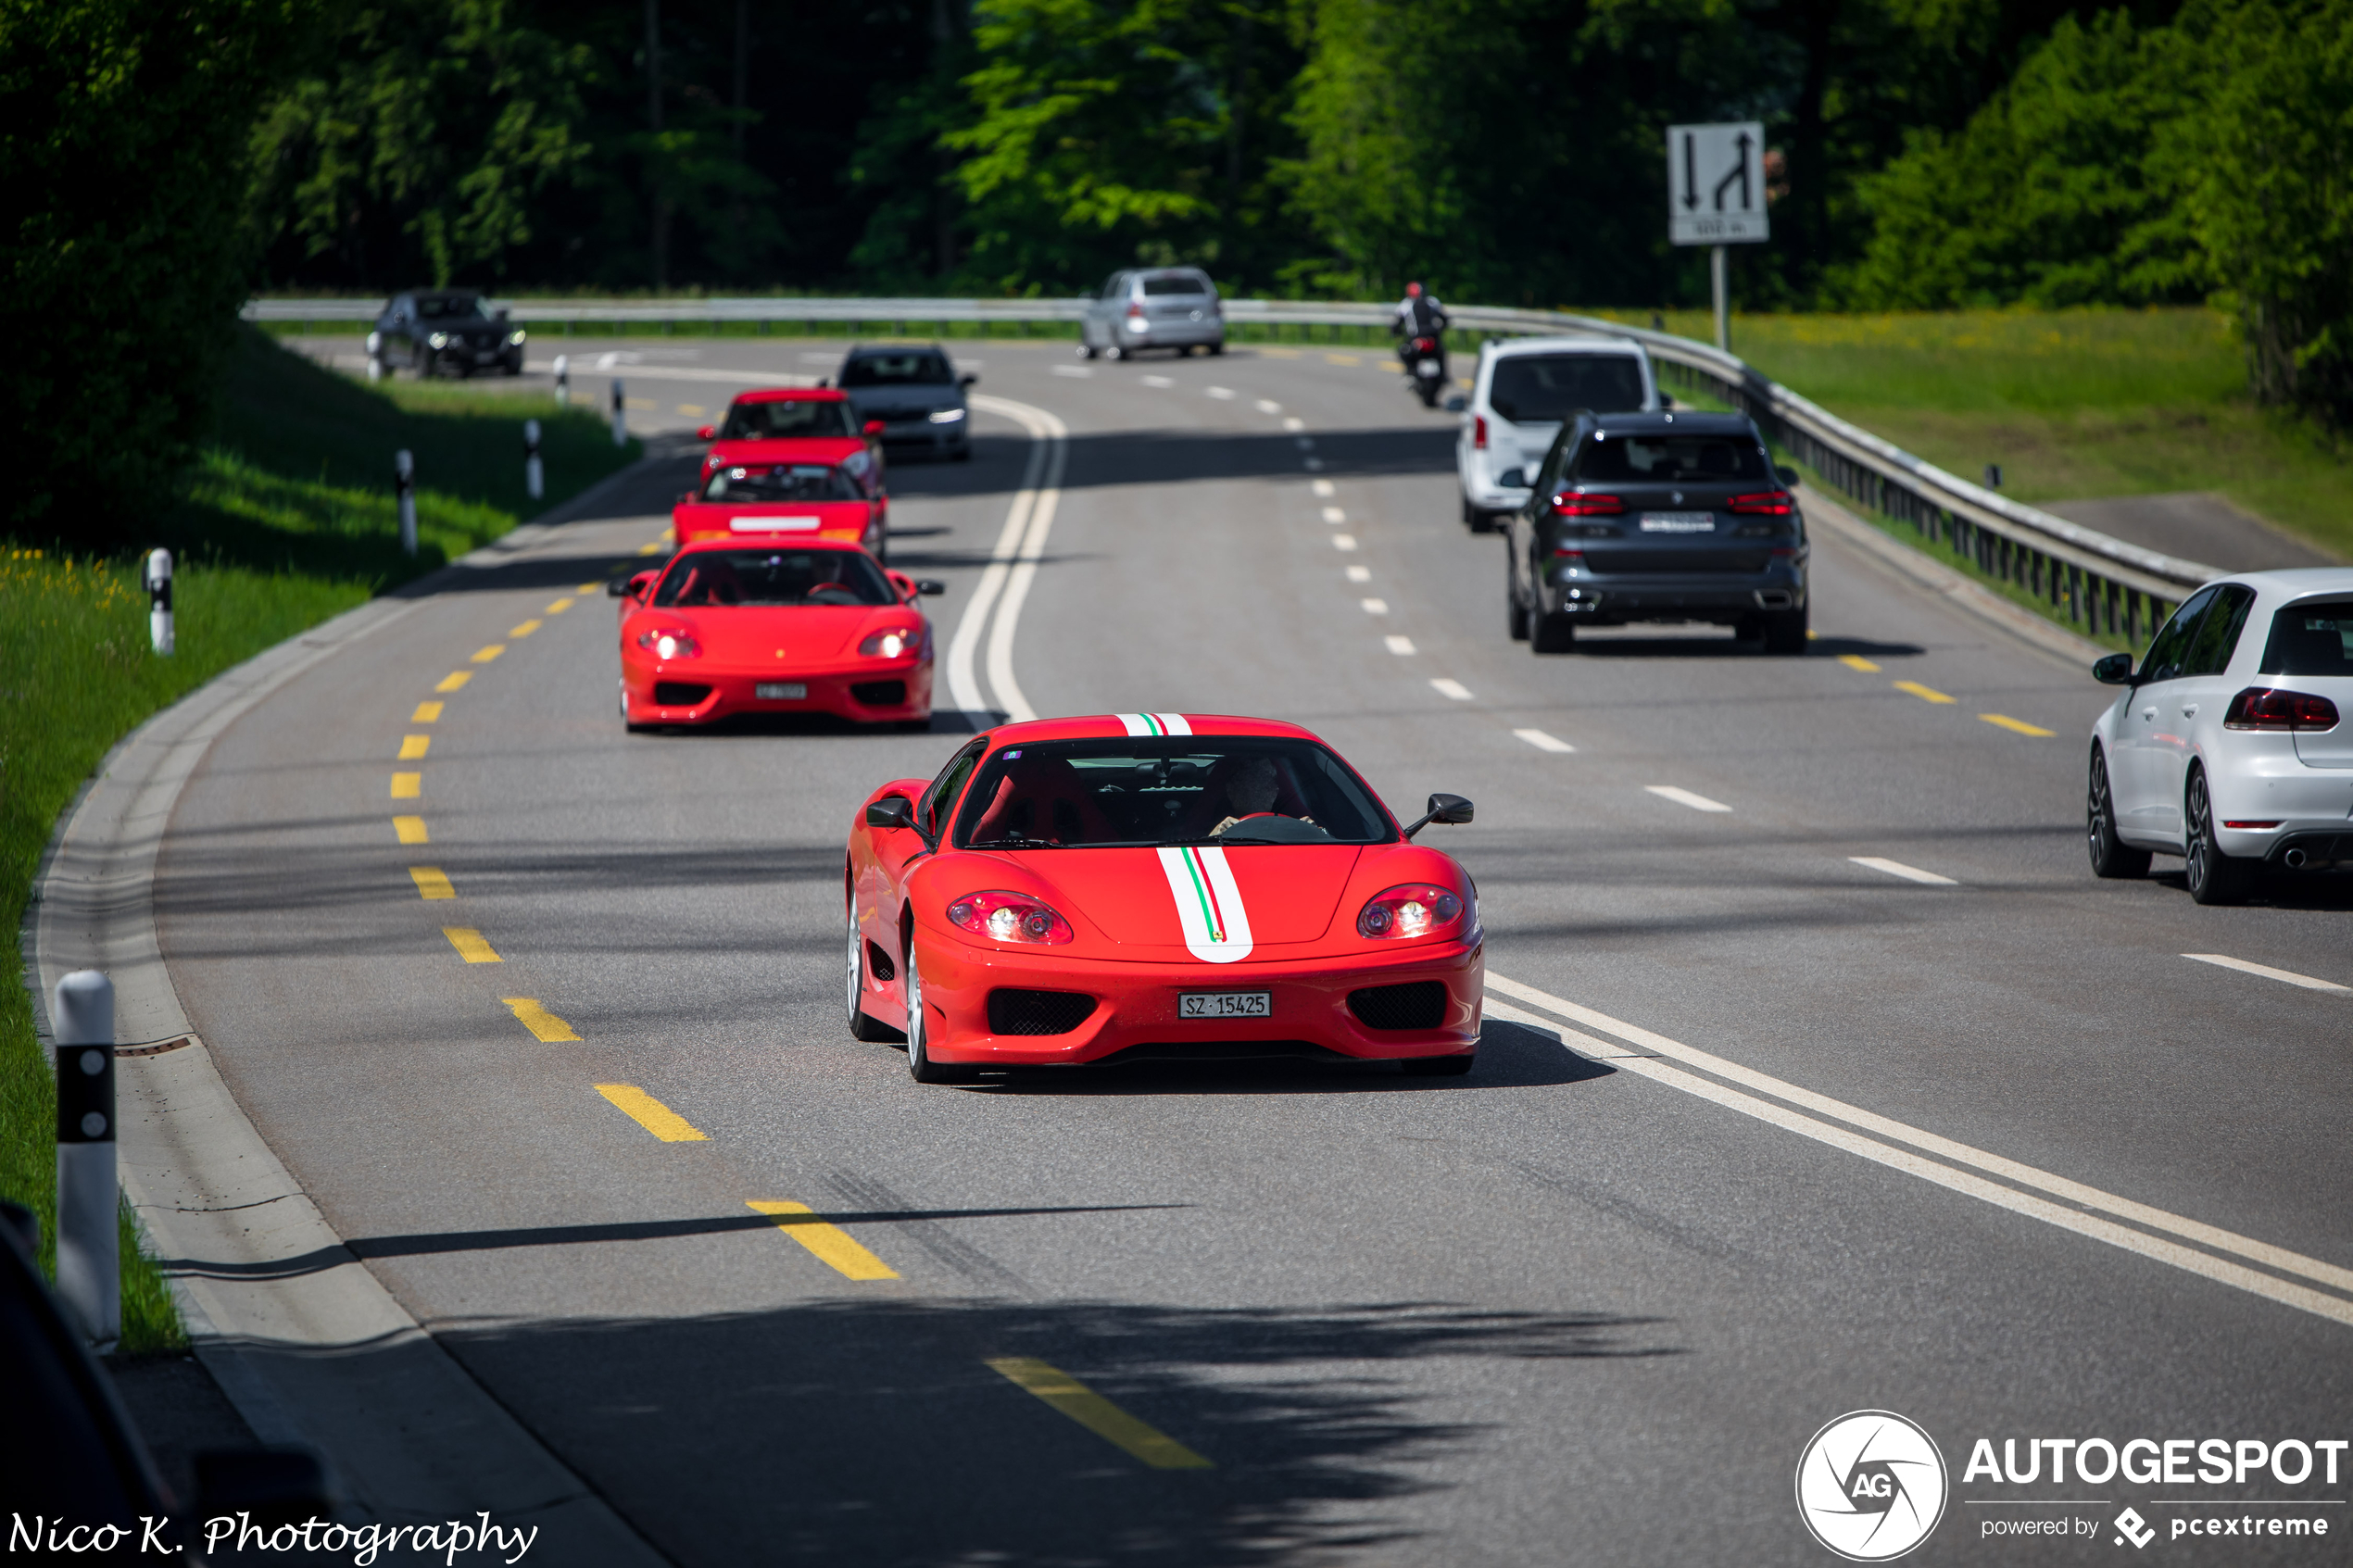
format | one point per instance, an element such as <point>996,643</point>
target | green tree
<point>426,139</point>
<point>123,129</point>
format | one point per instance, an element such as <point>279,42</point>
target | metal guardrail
<point>2095,581</point>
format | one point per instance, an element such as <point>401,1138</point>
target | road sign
<point>1716,184</point>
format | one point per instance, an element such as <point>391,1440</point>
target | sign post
<point>1716,197</point>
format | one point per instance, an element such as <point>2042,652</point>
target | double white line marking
<point>1012,565</point>
<point>2023,1189</point>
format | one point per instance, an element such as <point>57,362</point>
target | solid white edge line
<point>962,685</point>
<point>2279,1258</point>
<point>1015,705</point>
<point>1682,797</point>
<point>2286,975</point>
<point>1897,868</point>
<point>2290,1295</point>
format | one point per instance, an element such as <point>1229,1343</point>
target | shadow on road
<point>875,1431</point>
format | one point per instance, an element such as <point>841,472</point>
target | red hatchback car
<point>774,625</point>
<point>1157,885</point>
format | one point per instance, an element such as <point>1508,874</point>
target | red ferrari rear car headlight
<point>891,643</point>
<point>669,645</point>
<point>1009,917</point>
<point>1418,909</point>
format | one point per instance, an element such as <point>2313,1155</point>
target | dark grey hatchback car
<point>1658,517</point>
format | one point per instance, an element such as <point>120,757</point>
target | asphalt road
<point>1587,1304</point>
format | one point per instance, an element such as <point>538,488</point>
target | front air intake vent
<point>1038,1012</point>
<point>678,694</point>
<point>1417,1004</point>
<point>881,694</point>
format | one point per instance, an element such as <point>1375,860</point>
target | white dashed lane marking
<point>1333,514</point>
<point>1223,394</point>
<point>1266,405</point>
<point>1374,606</point>
<point>1453,689</point>
<point>1543,742</point>
<point>1158,381</point>
<point>1399,646</point>
<point>1360,574</point>
<point>1343,541</point>
<point>1323,488</point>
<point>1080,371</point>
<point>1897,868</point>
<point>1685,797</point>
<point>2287,976</point>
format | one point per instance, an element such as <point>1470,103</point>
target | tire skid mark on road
<point>1954,1165</point>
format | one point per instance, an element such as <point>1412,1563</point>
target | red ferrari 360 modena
<point>774,625</point>
<point>1157,885</point>
<point>804,425</point>
<point>789,460</point>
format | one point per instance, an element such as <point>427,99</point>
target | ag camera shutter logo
<point>1871,1485</point>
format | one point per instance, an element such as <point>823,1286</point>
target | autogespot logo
<point>1871,1485</point>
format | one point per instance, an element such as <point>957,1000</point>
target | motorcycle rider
<point>1419,315</point>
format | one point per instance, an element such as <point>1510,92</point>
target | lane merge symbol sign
<point>1716,184</point>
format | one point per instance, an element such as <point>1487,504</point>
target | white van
<point>1524,388</point>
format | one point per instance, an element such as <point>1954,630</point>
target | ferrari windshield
<point>781,481</point>
<point>1150,792</point>
<point>707,578</point>
<point>791,419</point>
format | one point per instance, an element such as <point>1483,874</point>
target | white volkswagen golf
<point>1522,390</point>
<point>2227,745</point>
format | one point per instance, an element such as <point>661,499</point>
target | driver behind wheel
<point>1251,786</point>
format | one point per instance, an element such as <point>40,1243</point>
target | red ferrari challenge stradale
<point>1157,885</point>
<point>774,625</point>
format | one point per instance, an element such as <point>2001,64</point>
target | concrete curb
<point>306,1343</point>
<point>2045,636</point>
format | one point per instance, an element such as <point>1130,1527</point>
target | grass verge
<point>289,520</point>
<point>2074,404</point>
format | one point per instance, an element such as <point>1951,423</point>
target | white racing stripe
<point>1209,906</point>
<point>1644,1048</point>
<point>1155,723</point>
<point>2287,975</point>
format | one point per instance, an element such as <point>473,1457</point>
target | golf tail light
<point>1568,503</point>
<point>1478,431</point>
<point>889,644</point>
<point>1009,917</point>
<point>2259,707</point>
<point>669,645</point>
<point>1764,503</point>
<point>1418,909</point>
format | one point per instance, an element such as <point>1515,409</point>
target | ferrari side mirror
<point>2116,670</point>
<point>930,587</point>
<point>707,433</point>
<point>633,588</point>
<point>890,811</point>
<point>1442,808</point>
<point>873,427</point>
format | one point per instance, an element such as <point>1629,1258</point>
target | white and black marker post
<point>564,378</point>
<point>619,414</point>
<point>534,477</point>
<point>89,1264</point>
<point>404,485</point>
<point>375,357</point>
<point>159,599</point>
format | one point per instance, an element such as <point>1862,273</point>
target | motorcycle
<point>1423,356</point>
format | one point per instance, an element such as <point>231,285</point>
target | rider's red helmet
<point>1413,291</point>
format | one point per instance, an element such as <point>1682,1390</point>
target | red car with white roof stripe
<point>789,460</point>
<point>1154,886</point>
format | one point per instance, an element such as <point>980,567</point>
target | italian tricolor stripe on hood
<point>1209,906</point>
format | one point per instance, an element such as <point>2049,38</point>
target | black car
<point>433,329</point>
<point>1658,517</point>
<point>915,392</point>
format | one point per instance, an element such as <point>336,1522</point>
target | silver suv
<point>1152,307</point>
<point>1522,390</point>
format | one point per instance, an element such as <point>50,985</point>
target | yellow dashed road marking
<point>2019,725</point>
<point>830,1243</point>
<point>471,947</point>
<point>544,1025</point>
<point>584,588</point>
<point>653,549</point>
<point>455,679</point>
<point>1857,661</point>
<point>407,786</point>
<point>1342,359</point>
<point>525,630</point>
<point>410,830</point>
<point>427,713</point>
<point>431,882</point>
<point>1096,1413</point>
<point>690,408</point>
<point>413,748</point>
<point>1926,694</point>
<point>483,656</point>
<point>651,1113</point>
<point>559,606</point>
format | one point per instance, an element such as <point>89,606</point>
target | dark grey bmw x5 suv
<point>1658,517</point>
